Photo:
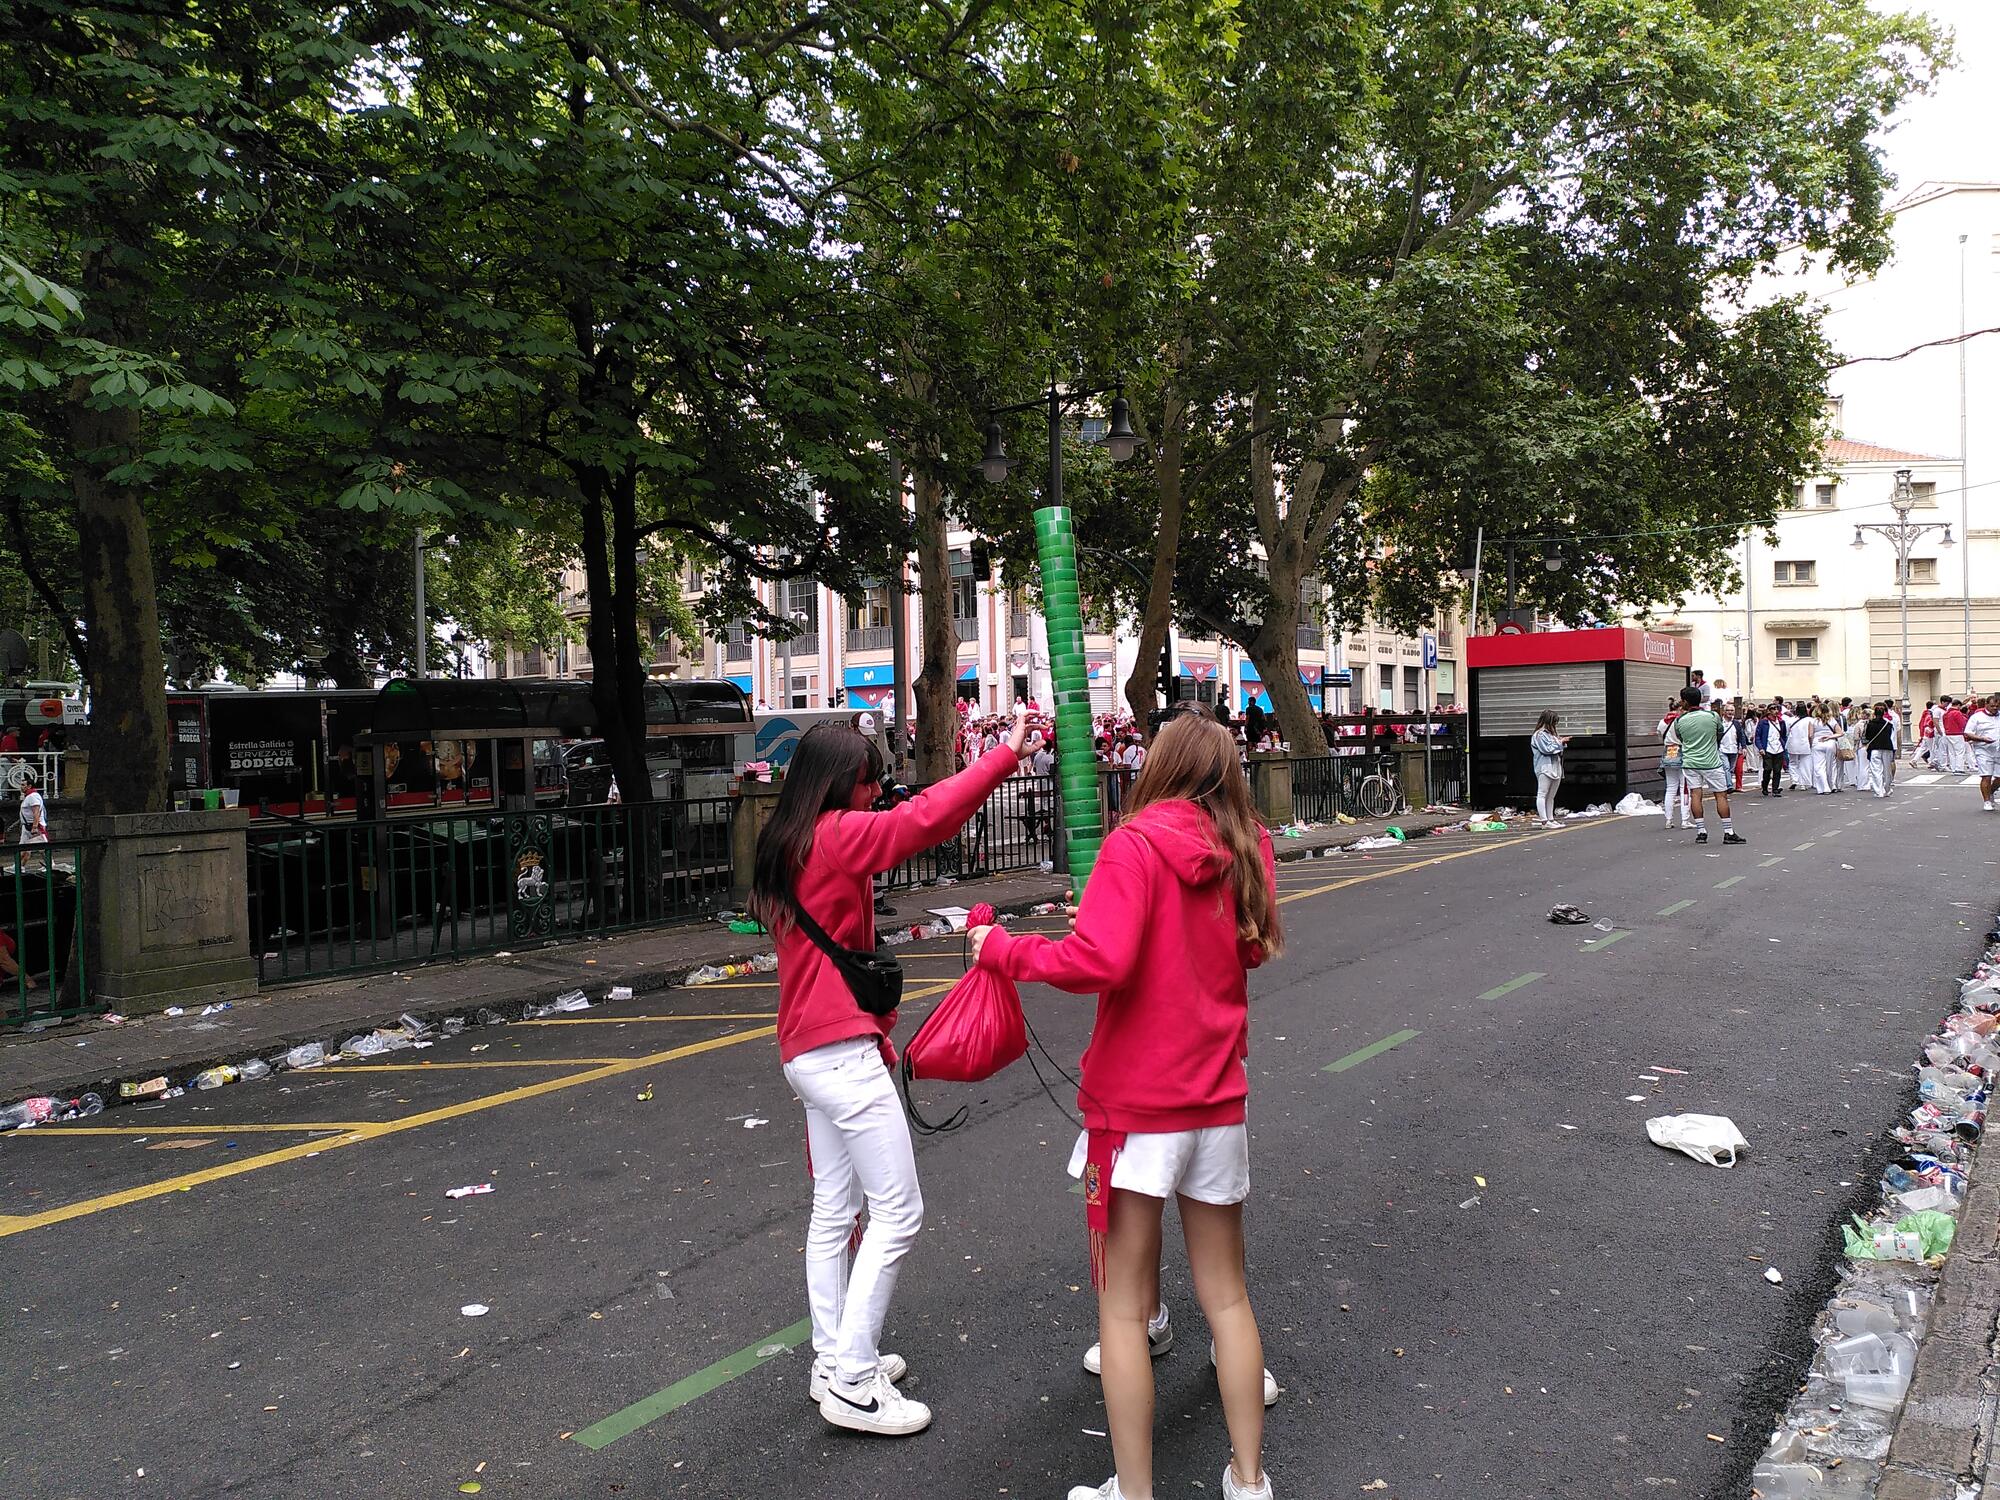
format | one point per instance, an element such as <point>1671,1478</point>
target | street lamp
<point>1903,535</point>
<point>1735,638</point>
<point>1062,609</point>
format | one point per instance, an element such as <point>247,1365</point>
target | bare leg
<point>1130,1297</point>
<point>1215,1255</point>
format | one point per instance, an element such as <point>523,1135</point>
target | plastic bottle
<point>1956,1080</point>
<point>253,1067</point>
<point>306,1055</point>
<point>215,1077</point>
<point>1899,1180</point>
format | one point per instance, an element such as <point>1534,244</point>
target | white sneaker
<point>875,1406</point>
<point>1233,1490</point>
<point>1989,806</point>
<point>1270,1380</point>
<point>892,1365</point>
<point>1106,1491</point>
<point>1159,1339</point>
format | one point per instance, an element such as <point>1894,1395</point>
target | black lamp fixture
<point>1120,441</point>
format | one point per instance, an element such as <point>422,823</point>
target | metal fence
<point>330,898</point>
<point>1324,785</point>
<point>1015,829</point>
<point>41,892</point>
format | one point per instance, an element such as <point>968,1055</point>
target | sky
<point>1948,134</point>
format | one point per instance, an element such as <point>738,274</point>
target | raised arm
<point>878,841</point>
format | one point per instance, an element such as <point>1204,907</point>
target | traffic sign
<point>1430,653</point>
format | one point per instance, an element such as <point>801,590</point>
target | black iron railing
<point>41,892</point>
<point>331,898</point>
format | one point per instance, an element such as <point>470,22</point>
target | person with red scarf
<point>1181,904</point>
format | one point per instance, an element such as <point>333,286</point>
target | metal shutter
<point>1648,686</point>
<point>1512,698</point>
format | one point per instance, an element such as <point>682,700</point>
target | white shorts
<point>1210,1165</point>
<point>1715,779</point>
<point>1986,759</point>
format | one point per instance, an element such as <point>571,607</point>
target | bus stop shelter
<point>1610,686</point>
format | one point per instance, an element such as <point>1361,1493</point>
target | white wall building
<point>1817,614</point>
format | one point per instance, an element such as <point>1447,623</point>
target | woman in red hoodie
<point>1181,904</point>
<point>817,856</point>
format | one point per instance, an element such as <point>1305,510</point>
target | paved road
<point>257,1292</point>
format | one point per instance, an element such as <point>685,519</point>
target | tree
<point>1488,268</point>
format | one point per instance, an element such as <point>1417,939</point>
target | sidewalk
<point>89,1055</point>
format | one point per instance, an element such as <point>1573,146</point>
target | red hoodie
<point>1156,937</point>
<point>849,848</point>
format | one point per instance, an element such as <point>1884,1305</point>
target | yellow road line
<point>23,1222</point>
<point>452,1067</point>
<point>59,1130</point>
<point>744,1015</point>
<point>1436,859</point>
<point>735,984</point>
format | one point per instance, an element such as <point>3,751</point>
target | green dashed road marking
<point>1723,885</point>
<point>1513,984</point>
<point>1607,940</point>
<point>1373,1049</point>
<point>1668,911</point>
<point>1773,860</point>
<point>624,1423</point>
<point>1796,848</point>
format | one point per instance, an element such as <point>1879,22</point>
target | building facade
<point>1821,611</point>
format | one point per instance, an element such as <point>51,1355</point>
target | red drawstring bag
<point>975,1031</point>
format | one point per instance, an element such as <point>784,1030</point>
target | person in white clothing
<point>1982,740</point>
<point>1878,747</point>
<point>1799,749</point>
<point>1825,753</point>
<point>1674,800</point>
<point>34,812</point>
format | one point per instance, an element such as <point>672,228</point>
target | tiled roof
<point>1847,451</point>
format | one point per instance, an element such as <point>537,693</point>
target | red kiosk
<point>1610,686</point>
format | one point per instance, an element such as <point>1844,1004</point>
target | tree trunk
<point>628,760</point>
<point>1274,647</point>
<point>937,682</point>
<point>1141,688</point>
<point>121,613</point>
<point>628,662</point>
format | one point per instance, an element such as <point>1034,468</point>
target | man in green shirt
<point>1699,731</point>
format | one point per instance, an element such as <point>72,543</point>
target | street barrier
<point>42,893</point>
<point>332,898</point>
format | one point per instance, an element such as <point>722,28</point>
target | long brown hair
<point>1193,759</point>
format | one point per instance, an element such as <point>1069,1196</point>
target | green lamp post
<point>1055,539</point>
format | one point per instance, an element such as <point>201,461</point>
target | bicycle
<point>1380,795</point>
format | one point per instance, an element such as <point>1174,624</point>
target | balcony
<point>1311,638</point>
<point>1017,625</point>
<point>806,644</point>
<point>736,648</point>
<point>870,638</point>
<point>967,627</point>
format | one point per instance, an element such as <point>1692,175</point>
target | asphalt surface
<point>258,1291</point>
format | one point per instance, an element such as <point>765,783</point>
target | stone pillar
<point>167,910</point>
<point>1410,772</point>
<point>756,801</point>
<point>1271,788</point>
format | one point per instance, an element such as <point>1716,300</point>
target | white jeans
<point>1956,758</point>
<point>1675,799</point>
<point>860,1153</point>
<point>1881,770</point>
<point>1545,796</point>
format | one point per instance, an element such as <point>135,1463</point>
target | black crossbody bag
<point>874,979</point>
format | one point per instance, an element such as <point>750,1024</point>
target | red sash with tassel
<point>1099,1158</point>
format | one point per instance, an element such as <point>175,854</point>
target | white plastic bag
<point>1632,805</point>
<point>1707,1138</point>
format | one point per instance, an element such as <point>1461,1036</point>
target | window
<point>1924,494</point>
<point>1922,570</point>
<point>1797,648</point>
<point>1412,691</point>
<point>1823,496</point>
<point>1387,700</point>
<point>1793,573</point>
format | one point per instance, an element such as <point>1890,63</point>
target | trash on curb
<point>1706,1138</point>
<point>620,992</point>
<point>146,1090</point>
<point>1633,805</point>
<point>1563,913</point>
<point>47,1111</point>
<point>475,1310</point>
<point>472,1190</point>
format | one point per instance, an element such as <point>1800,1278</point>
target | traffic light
<point>982,559</point>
